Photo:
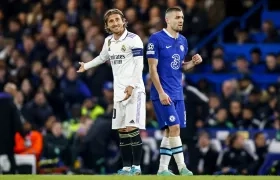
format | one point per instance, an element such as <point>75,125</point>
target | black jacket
<point>10,123</point>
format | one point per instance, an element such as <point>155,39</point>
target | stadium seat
<point>272,16</point>
<point>222,135</point>
<point>274,146</point>
<point>26,159</point>
<point>232,51</point>
<point>258,37</point>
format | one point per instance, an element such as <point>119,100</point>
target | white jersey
<point>126,57</point>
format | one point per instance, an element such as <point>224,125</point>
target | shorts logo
<point>172,118</point>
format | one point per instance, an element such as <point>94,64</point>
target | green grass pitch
<point>109,177</point>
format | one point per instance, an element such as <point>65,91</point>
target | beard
<point>177,29</point>
<point>119,29</point>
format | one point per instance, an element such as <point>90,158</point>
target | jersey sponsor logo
<point>175,64</point>
<point>172,118</point>
<point>182,47</point>
<point>116,62</point>
<point>117,57</point>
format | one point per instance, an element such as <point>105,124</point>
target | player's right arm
<point>103,57</point>
<point>152,55</point>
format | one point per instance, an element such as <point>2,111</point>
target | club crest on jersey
<point>123,48</point>
<point>182,47</point>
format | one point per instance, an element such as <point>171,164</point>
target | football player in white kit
<point>125,52</point>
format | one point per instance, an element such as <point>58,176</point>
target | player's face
<point>115,23</point>
<point>176,20</point>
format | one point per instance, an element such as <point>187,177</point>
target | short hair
<point>109,13</point>
<point>173,9</point>
<point>257,135</point>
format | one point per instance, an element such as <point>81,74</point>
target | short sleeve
<point>104,55</point>
<point>152,48</point>
<point>137,48</point>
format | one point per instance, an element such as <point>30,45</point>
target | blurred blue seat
<point>273,16</point>
<point>232,51</point>
<point>258,37</point>
<point>262,80</point>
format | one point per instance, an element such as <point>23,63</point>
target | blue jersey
<point>170,53</point>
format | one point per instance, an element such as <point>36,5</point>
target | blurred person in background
<point>220,120</point>
<point>271,64</point>
<point>242,66</point>
<point>229,92</point>
<point>75,91</point>
<point>205,156</point>
<point>218,65</point>
<point>261,148</point>
<point>235,112</point>
<point>108,96</point>
<point>37,111</point>
<point>196,20</point>
<point>214,104</point>
<point>236,160</point>
<point>10,124</point>
<point>56,148</point>
<point>91,109</point>
<point>30,143</point>
<point>248,120</point>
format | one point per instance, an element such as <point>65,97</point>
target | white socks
<point>177,151</point>
<point>137,167</point>
<point>126,168</point>
<point>129,168</point>
<point>165,154</point>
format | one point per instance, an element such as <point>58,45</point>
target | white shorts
<point>131,112</point>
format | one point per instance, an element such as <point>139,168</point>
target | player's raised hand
<point>164,99</point>
<point>128,90</point>
<point>197,59</point>
<point>82,67</point>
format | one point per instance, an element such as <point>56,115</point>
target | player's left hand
<point>196,59</point>
<point>128,90</point>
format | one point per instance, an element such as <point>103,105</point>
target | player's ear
<point>166,20</point>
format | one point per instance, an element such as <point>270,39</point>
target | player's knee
<point>129,128</point>
<point>174,130</point>
<point>122,130</point>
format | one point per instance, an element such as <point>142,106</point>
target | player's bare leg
<point>136,145</point>
<point>165,155</point>
<point>126,151</point>
<point>177,149</point>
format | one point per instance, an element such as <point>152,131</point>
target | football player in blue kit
<point>166,52</point>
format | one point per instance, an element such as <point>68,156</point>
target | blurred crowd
<point>64,113</point>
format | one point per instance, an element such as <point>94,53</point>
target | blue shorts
<point>169,115</point>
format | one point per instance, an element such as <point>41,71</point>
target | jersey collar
<point>169,34</point>
<point>123,36</point>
